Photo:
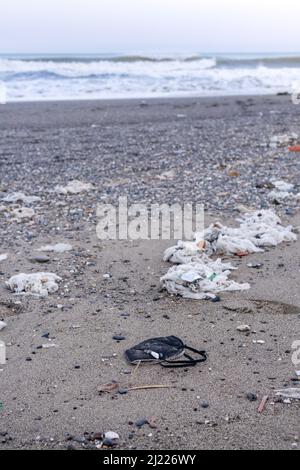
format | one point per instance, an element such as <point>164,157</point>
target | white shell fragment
<point>22,213</point>
<point>111,436</point>
<point>38,284</point>
<point>74,187</point>
<point>243,328</point>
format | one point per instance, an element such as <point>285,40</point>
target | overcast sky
<point>149,25</point>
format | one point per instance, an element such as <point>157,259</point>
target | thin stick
<point>150,387</point>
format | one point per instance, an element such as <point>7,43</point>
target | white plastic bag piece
<point>22,213</point>
<point>74,187</point>
<point>58,248</point>
<point>3,257</point>
<point>201,280</point>
<point>283,186</point>
<point>15,198</point>
<point>2,325</point>
<point>38,284</point>
<point>292,393</point>
<point>283,140</point>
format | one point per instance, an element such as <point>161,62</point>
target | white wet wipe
<point>198,276</point>
<point>74,187</point>
<point>16,198</point>
<point>38,284</point>
<point>58,248</point>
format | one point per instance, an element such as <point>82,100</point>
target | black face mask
<point>165,351</point>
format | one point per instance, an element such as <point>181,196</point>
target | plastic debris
<point>200,277</point>
<point>290,393</point>
<point>2,325</point>
<point>58,248</point>
<point>15,198</point>
<point>294,148</point>
<point>3,257</point>
<point>74,187</point>
<point>256,231</point>
<point>283,186</point>
<point>283,140</point>
<point>22,213</point>
<point>201,280</point>
<point>38,284</point>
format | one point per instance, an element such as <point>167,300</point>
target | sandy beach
<point>211,150</point>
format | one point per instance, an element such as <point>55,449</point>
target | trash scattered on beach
<point>58,248</point>
<point>290,393</point>
<point>38,284</point>
<point>49,346</point>
<point>164,351</point>
<point>2,325</point>
<point>198,276</point>
<point>201,280</point>
<point>294,148</point>
<point>74,187</point>
<point>15,198</point>
<point>283,140</point>
<point>22,213</point>
<point>3,257</point>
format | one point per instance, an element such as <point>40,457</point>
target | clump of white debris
<point>74,187</point>
<point>3,257</point>
<point>283,140</point>
<point>58,248</point>
<point>38,284</point>
<point>198,276</point>
<point>15,198</point>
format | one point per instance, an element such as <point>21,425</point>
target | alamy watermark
<point>2,353</point>
<point>296,353</point>
<point>3,93</point>
<point>144,222</point>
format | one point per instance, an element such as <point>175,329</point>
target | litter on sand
<point>15,198</point>
<point>283,140</point>
<point>3,257</point>
<point>165,351</point>
<point>2,325</point>
<point>294,148</point>
<point>74,187</point>
<point>198,276</point>
<point>58,248</point>
<point>38,284</point>
<point>291,393</point>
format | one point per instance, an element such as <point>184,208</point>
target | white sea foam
<point>39,78</point>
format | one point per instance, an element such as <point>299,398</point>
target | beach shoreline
<point>210,150</point>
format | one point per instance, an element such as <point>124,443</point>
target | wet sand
<point>49,396</point>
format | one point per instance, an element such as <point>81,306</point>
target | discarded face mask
<point>165,351</point>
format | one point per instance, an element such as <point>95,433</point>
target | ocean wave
<point>190,75</point>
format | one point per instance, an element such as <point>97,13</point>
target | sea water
<point>106,76</point>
